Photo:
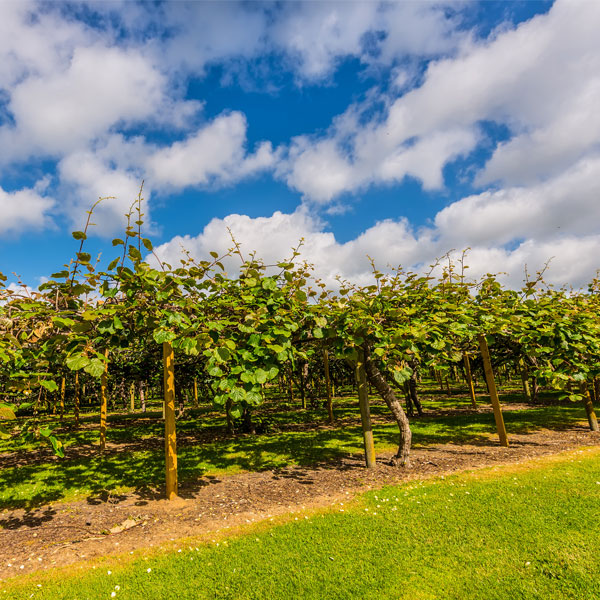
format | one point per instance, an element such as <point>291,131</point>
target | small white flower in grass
<point>113,594</point>
<point>109,572</point>
<point>148,570</point>
<point>527,563</point>
<point>117,587</point>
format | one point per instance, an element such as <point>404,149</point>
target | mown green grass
<point>61,480</point>
<point>528,532</point>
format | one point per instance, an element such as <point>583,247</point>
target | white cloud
<point>86,178</point>
<point>316,36</point>
<point>25,209</point>
<point>506,231</point>
<point>540,79</point>
<point>214,152</point>
<point>566,204</point>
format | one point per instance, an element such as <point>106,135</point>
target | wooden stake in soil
<point>328,385</point>
<point>470,379</point>
<point>132,397</point>
<point>76,399</point>
<point>365,412</point>
<point>169,407</point>
<point>489,377</point>
<point>103,405</point>
<point>62,398</point>
<point>195,392</point>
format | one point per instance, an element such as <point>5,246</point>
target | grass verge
<point>525,531</point>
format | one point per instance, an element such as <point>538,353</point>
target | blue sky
<point>399,131</point>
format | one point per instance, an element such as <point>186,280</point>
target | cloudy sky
<point>398,131</point>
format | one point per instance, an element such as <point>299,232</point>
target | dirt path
<point>65,533</point>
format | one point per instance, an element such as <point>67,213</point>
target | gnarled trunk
<point>412,387</point>
<point>402,457</point>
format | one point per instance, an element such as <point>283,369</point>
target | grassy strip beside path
<point>520,531</point>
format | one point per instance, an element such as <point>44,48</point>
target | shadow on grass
<point>104,478</point>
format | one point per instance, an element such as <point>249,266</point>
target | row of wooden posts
<point>362,387</point>
<point>363,397</point>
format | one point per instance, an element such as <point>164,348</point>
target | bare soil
<point>62,534</point>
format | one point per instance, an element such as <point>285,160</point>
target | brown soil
<point>65,533</point>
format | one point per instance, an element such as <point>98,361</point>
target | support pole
<point>76,399</point>
<point>62,398</point>
<point>103,405</point>
<point>195,392</point>
<point>132,397</point>
<point>489,377</point>
<point>328,385</point>
<point>365,413</point>
<point>470,379</point>
<point>169,407</point>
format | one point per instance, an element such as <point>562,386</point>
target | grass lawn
<point>521,531</point>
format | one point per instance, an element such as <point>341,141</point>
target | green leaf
<point>223,353</point>
<point>79,235</point>
<point>57,446</point>
<point>236,411</point>
<point>254,398</point>
<point>163,335</point>
<point>401,375</point>
<point>60,275</point>
<point>215,371</point>
<point>118,242</point>
<point>147,244</point>
<point>113,264</point>
<point>7,413</point>
<point>77,362</point>
<point>261,376</point>
<point>134,253</point>
<point>95,367</point>
<point>248,377</point>
<point>49,384</point>
<point>46,431</point>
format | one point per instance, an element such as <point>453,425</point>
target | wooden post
<point>62,398</point>
<point>76,399</point>
<point>365,413</point>
<point>489,377</point>
<point>290,384</point>
<point>132,397</point>
<point>169,408</point>
<point>195,392</point>
<point>470,379</point>
<point>103,405</point>
<point>328,385</point>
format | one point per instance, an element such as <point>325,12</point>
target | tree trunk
<point>410,411</point>
<point>142,396</point>
<point>402,457</point>
<point>412,387</point>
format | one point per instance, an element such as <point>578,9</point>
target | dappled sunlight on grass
<point>295,436</point>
